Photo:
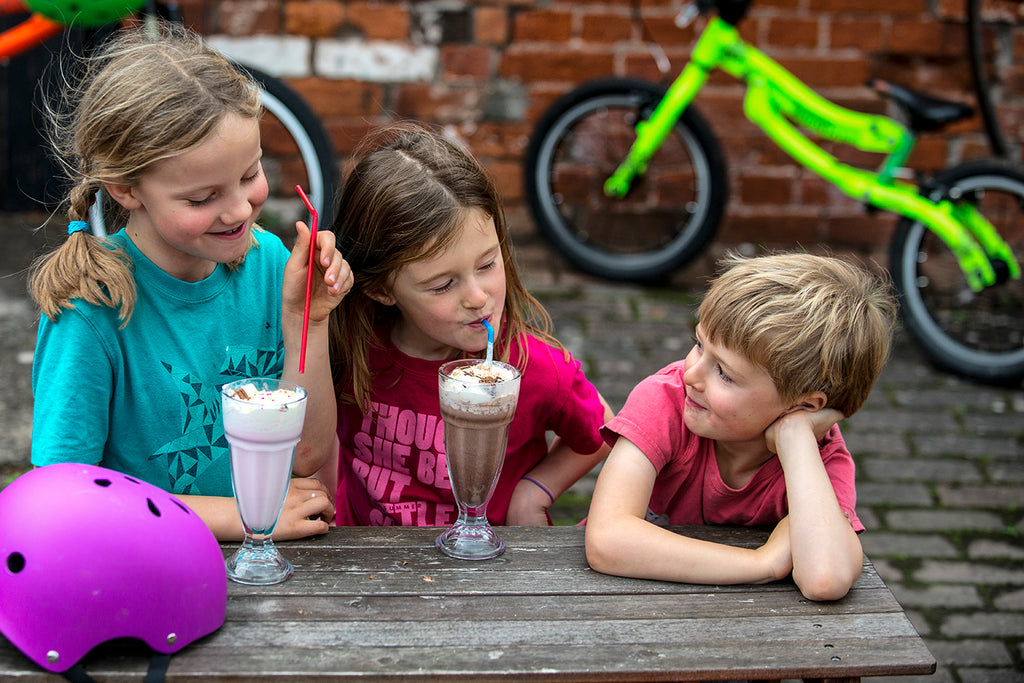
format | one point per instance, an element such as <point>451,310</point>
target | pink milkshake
<point>262,422</point>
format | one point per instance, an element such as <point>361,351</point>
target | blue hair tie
<point>75,226</point>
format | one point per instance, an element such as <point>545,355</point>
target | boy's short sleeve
<point>652,417</point>
<point>840,468</point>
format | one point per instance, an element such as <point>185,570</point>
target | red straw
<point>309,276</point>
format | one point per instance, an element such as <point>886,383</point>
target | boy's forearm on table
<point>639,549</point>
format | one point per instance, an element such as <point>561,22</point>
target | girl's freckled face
<point>443,300</point>
<point>196,209</point>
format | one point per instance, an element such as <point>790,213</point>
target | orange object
<point>29,33</point>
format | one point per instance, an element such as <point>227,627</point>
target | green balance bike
<point>628,181</point>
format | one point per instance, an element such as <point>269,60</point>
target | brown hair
<point>402,202</point>
<point>141,99</point>
<point>813,323</point>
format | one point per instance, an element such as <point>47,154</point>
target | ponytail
<point>84,267</point>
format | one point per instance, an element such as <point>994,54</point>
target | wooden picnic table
<point>372,603</point>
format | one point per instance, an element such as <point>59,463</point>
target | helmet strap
<point>158,664</point>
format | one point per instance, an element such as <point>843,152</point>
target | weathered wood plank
<point>518,661</point>
<point>434,607</point>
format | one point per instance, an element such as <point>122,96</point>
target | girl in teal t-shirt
<point>140,330</point>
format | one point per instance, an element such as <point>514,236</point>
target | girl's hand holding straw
<point>319,301</point>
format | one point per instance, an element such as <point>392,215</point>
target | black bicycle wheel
<point>669,215</point>
<point>979,335</point>
<point>297,151</point>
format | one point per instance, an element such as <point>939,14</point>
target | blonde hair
<point>142,98</point>
<point>813,323</point>
<point>404,201</point>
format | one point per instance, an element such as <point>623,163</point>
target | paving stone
<point>987,549</point>
<point>981,496</point>
<point>861,440</point>
<point>868,518</point>
<point>990,424</point>
<point>871,493</point>
<point>942,398</point>
<point>920,469</point>
<point>939,520</point>
<point>967,445</point>
<point>919,423</point>
<point>937,595</point>
<point>932,571</point>
<point>996,624</point>
<point>889,572</point>
<point>942,674</point>
<point>1012,601</point>
<point>879,544</point>
<point>920,622</point>
<point>979,675</point>
<point>1006,471</point>
<point>971,652</point>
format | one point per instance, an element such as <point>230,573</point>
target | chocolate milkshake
<point>478,400</point>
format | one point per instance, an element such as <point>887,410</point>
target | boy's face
<point>728,398</point>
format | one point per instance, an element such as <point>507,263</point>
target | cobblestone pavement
<point>940,460</point>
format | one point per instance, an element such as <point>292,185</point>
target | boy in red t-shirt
<point>743,431</point>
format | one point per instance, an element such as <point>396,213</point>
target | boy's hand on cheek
<point>799,423</point>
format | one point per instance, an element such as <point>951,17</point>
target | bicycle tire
<point>667,218</point>
<point>297,150</point>
<point>978,335</point>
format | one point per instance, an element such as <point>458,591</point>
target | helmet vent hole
<point>15,562</point>
<point>134,481</point>
<point>184,508</point>
<point>102,482</point>
<point>152,507</point>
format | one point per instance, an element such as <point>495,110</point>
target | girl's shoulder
<point>542,356</point>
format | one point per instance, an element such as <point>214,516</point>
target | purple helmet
<point>88,554</point>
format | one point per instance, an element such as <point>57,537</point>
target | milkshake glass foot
<point>470,542</point>
<point>258,565</point>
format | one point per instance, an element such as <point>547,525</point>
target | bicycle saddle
<point>926,113</point>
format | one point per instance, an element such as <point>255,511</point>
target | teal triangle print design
<point>202,439</point>
<point>202,442</point>
<point>249,362</point>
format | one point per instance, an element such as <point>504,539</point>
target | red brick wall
<point>501,62</point>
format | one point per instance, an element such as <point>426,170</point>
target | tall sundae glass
<point>262,422</point>
<point>478,400</point>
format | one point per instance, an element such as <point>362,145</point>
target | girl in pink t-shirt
<point>422,226</point>
<point>743,431</point>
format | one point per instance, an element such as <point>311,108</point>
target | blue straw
<point>490,341</point>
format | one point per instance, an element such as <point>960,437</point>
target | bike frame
<point>774,98</point>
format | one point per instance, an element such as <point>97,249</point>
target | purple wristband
<point>542,488</point>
